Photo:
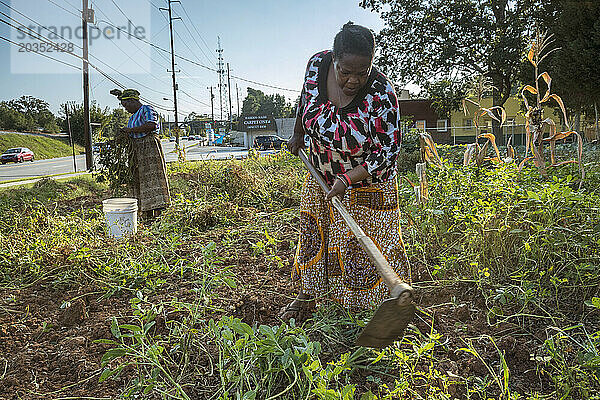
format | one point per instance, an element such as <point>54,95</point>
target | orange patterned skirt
<point>329,261</point>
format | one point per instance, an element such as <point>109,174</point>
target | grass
<point>505,266</point>
<point>43,147</point>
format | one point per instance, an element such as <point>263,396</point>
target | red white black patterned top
<point>365,132</point>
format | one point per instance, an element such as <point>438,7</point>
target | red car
<point>17,154</point>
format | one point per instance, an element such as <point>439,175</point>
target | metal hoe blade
<point>387,325</point>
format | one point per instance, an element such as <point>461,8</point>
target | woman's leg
<point>298,308</point>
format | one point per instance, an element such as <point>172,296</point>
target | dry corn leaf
<point>470,152</point>
<point>548,81</point>
<point>510,151</point>
<point>531,54</point>
<point>530,89</point>
<point>560,103</point>
<point>522,163</point>
<point>493,159</point>
<point>559,136</point>
<point>492,139</point>
<point>489,111</point>
<point>481,155</point>
<point>409,182</point>
<point>428,149</point>
<point>564,163</point>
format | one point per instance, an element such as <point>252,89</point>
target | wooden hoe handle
<point>398,289</point>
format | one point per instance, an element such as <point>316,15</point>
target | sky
<point>266,41</point>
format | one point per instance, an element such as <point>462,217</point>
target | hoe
<point>394,314</point>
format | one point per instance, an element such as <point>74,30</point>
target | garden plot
<point>505,266</point>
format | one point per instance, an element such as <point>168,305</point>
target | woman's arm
<point>386,139</point>
<point>147,127</point>
<point>385,134</point>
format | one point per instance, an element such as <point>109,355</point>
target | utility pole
<point>173,70</point>
<point>87,15</point>
<point>221,73</point>
<point>212,108</point>
<point>212,112</point>
<point>237,91</point>
<point>229,92</point>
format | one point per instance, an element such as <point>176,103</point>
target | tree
<point>447,96</point>
<point>437,39</point>
<point>28,113</point>
<point>97,115</point>
<point>574,65</point>
<point>258,103</point>
<point>10,119</point>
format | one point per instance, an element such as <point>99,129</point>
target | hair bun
<point>348,25</point>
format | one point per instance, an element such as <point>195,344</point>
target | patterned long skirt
<point>150,185</point>
<point>329,261</point>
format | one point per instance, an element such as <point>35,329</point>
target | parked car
<point>268,142</point>
<point>17,154</point>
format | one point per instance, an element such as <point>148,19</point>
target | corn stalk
<point>429,153</point>
<point>535,123</point>
<point>479,87</point>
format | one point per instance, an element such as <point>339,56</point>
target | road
<point>64,165</point>
<point>39,168</point>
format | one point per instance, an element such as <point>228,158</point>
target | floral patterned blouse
<point>365,132</point>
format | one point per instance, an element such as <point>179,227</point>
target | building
<point>418,113</point>
<point>460,128</point>
<point>463,129</point>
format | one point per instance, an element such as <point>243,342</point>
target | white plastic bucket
<point>121,216</point>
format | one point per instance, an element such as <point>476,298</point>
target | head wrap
<point>126,94</point>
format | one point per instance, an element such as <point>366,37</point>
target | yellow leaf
<point>522,164</point>
<point>548,81</point>
<point>559,136</point>
<point>546,77</point>
<point>531,54</point>
<point>530,89</point>
<point>492,139</point>
<point>564,163</point>
<point>469,153</point>
<point>560,103</point>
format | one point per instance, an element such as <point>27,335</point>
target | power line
<point>185,43</point>
<point>119,8</point>
<point>36,35</point>
<point>202,65</point>
<point>40,53</point>
<point>61,7</point>
<point>35,22</point>
<point>194,26</point>
<point>167,94</point>
<point>192,36</point>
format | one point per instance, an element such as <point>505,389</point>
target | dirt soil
<point>47,332</point>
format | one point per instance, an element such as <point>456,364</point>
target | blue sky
<point>267,41</point>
